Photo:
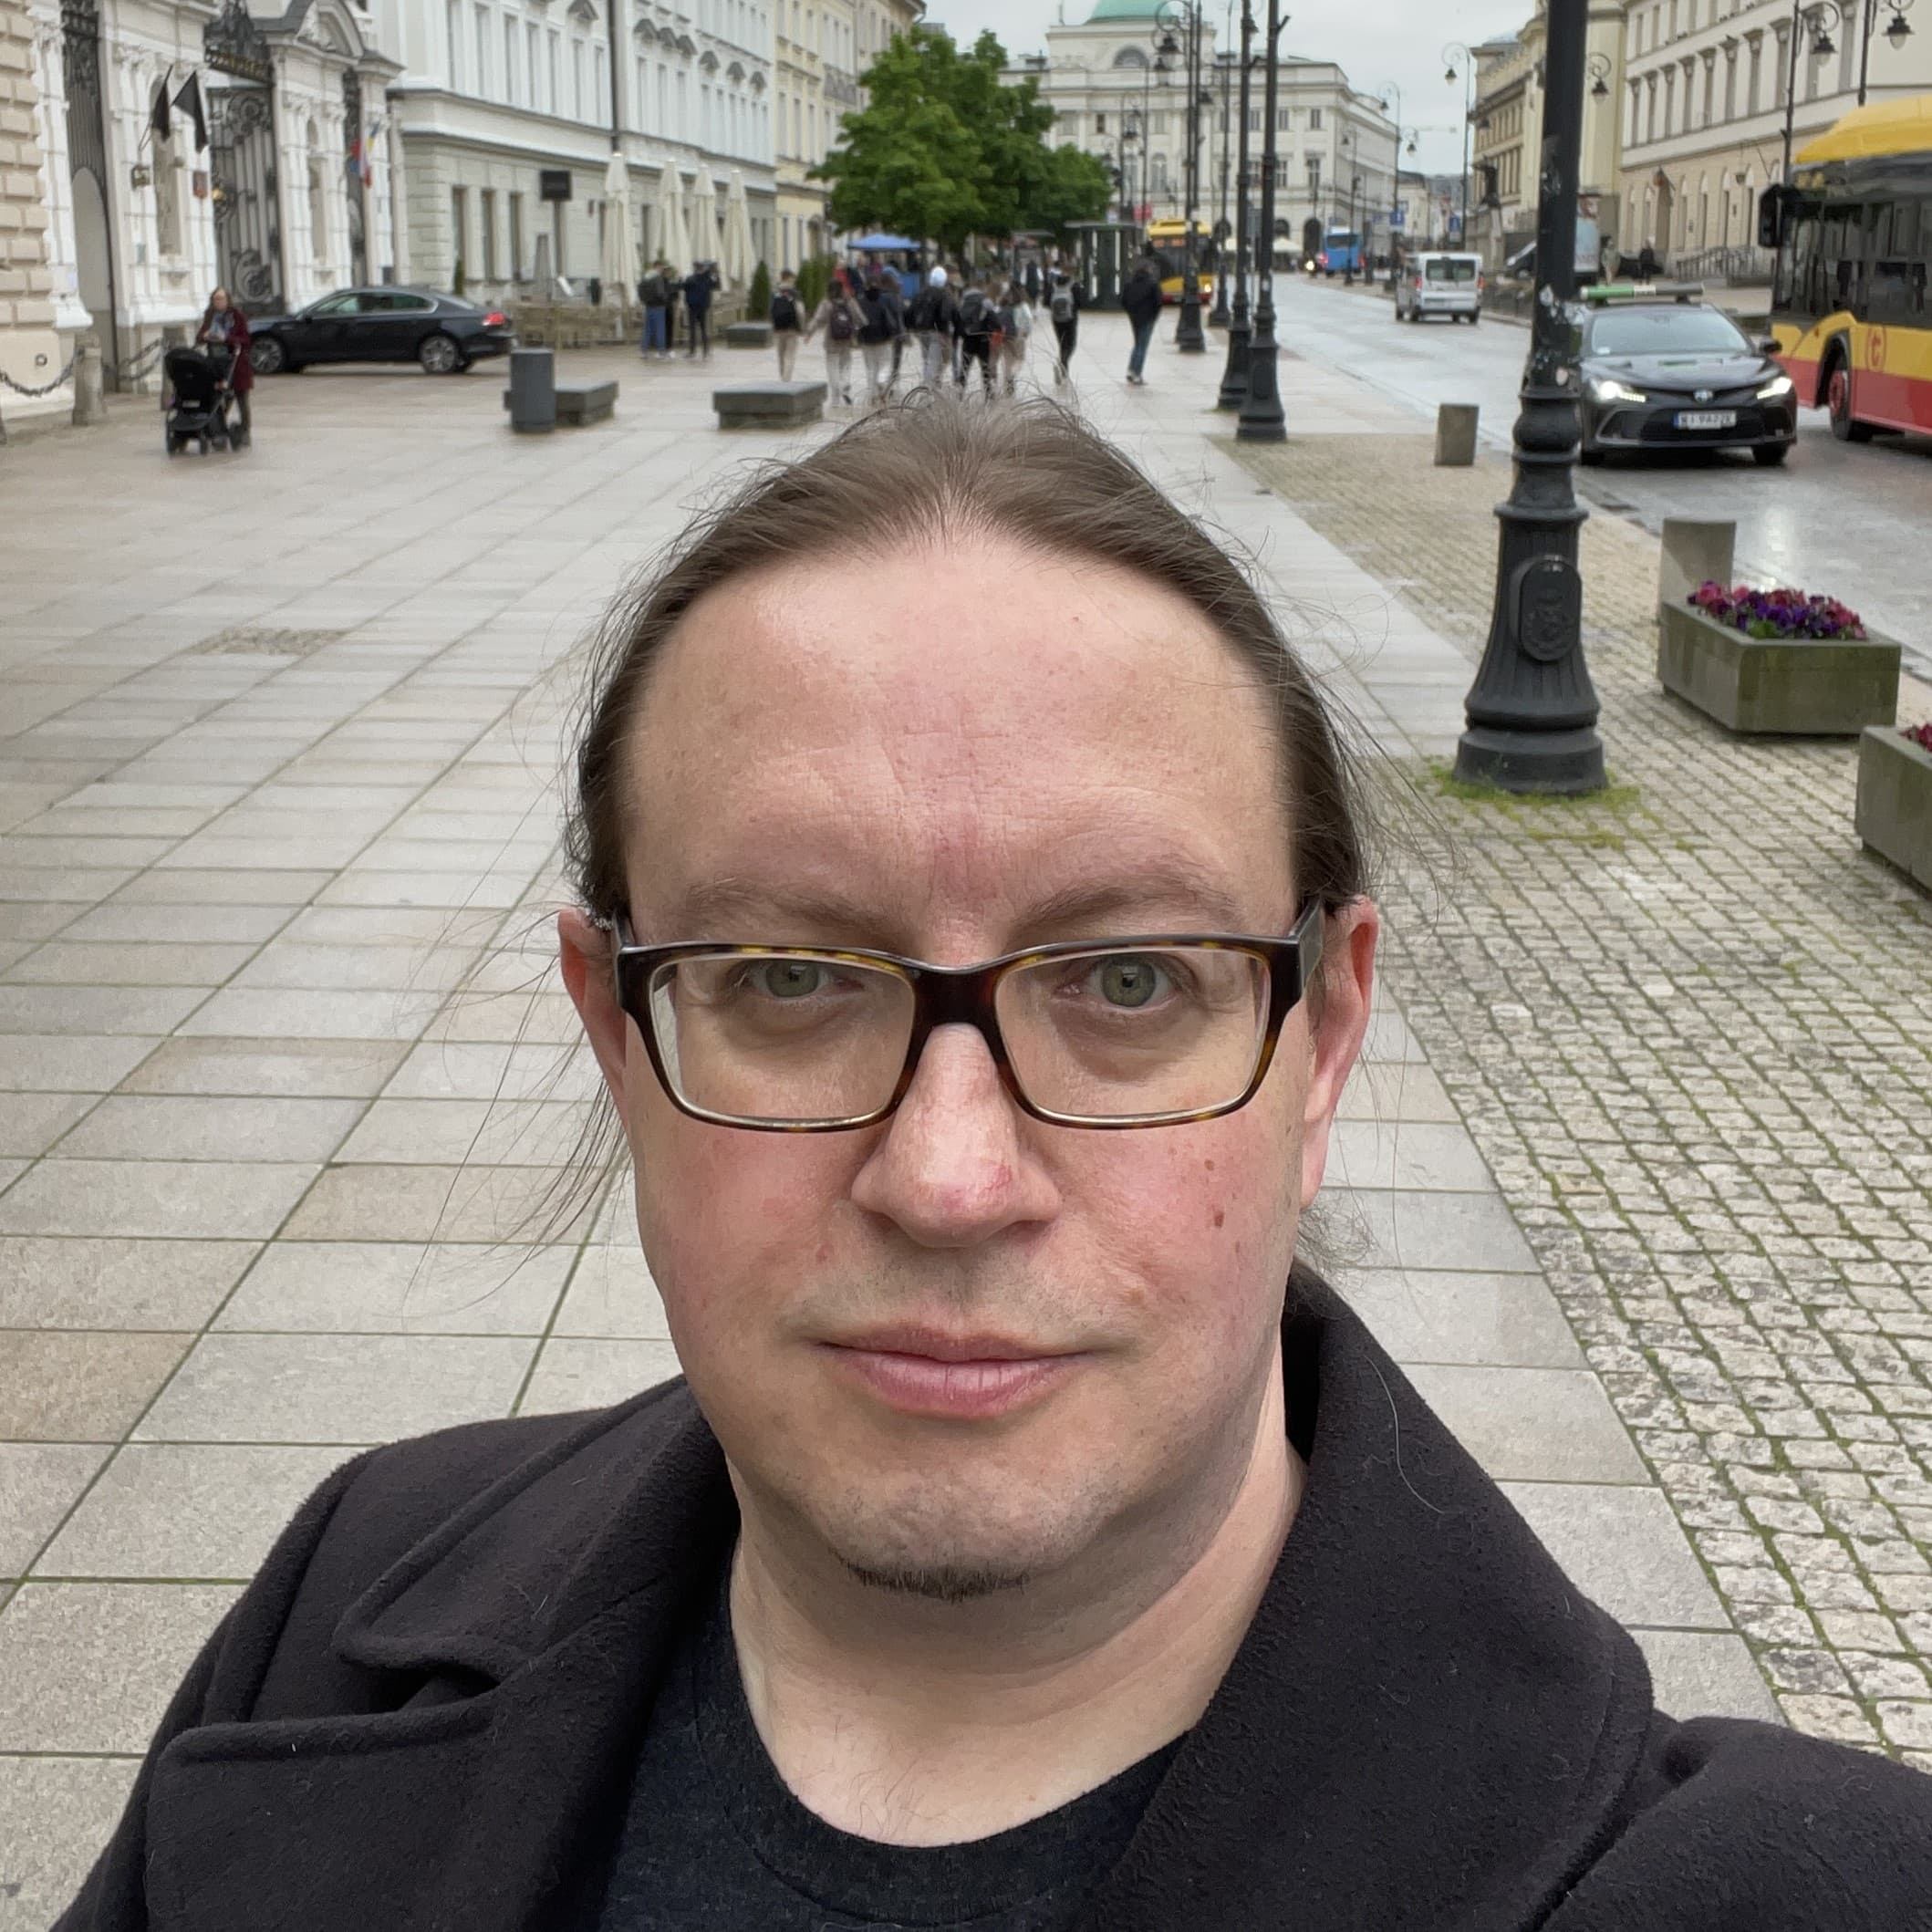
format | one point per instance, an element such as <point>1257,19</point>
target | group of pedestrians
<point>957,322</point>
<point>660,290</point>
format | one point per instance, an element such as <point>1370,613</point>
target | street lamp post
<point>1234,376</point>
<point>1262,419</point>
<point>1818,17</point>
<point>1531,712</point>
<point>1183,18</point>
<point>1454,55</point>
<point>1395,180</point>
<point>1219,317</point>
<point>1896,35</point>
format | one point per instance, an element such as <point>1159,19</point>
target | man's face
<point>941,778</point>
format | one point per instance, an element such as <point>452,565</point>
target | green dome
<point>1123,10</point>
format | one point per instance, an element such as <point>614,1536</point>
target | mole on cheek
<point>1219,1215</point>
<point>824,1253</point>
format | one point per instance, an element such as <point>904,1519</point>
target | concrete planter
<point>1798,686</point>
<point>1895,802</point>
<point>747,334</point>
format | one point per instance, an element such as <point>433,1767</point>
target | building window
<point>483,50</point>
<point>486,226</point>
<point>555,98</point>
<point>452,25</point>
<point>516,237</point>
<point>1314,119</point>
<point>459,229</point>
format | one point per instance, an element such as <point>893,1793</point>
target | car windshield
<point>1450,269</point>
<point>1664,332</point>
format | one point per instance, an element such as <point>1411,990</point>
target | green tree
<point>946,149</point>
<point>758,301</point>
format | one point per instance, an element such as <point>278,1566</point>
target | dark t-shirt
<point>714,1842</point>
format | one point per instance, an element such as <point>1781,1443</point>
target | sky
<point>1379,44</point>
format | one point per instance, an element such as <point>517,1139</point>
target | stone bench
<point>747,334</point>
<point>583,403</point>
<point>768,405</point>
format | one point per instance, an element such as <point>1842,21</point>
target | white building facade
<point>1336,156</point>
<point>508,112</point>
<point>291,194</point>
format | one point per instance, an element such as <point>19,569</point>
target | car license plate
<point>1707,418</point>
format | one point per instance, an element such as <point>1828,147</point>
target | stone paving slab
<point>275,872</point>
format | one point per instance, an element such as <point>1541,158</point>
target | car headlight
<point>1607,389</point>
<point>1777,386</point>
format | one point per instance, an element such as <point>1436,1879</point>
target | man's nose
<point>953,1167</point>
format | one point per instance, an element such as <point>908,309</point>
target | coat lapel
<point>528,1635</point>
<point>1426,1725</point>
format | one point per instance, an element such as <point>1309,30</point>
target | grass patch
<point>1612,798</point>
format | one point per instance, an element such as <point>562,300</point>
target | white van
<point>1440,285</point>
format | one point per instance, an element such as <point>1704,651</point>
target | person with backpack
<point>839,316</point>
<point>880,328</point>
<point>786,316</point>
<point>977,321</point>
<point>932,319</point>
<point>1141,299</point>
<point>654,295</point>
<point>1064,301</point>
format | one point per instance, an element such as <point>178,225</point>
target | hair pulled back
<point>929,470</point>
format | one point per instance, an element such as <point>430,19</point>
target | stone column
<point>32,355</point>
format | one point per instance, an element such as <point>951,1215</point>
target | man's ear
<point>585,951</point>
<point>1339,1022</point>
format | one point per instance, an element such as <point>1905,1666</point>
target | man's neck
<point>914,1723</point>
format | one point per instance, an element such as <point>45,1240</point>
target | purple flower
<point>1920,736</point>
<point>1777,613</point>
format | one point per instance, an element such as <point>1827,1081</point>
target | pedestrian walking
<point>224,326</point>
<point>1141,299</point>
<point>839,316</point>
<point>698,286</point>
<point>931,319</point>
<point>654,295</point>
<point>1016,327</point>
<point>978,320</point>
<point>787,317</point>
<point>880,328</point>
<point>1065,300</point>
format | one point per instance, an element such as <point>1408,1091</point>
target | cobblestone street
<point>1690,1027</point>
<point>1634,1181</point>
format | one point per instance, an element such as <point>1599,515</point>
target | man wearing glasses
<point>1032,1544</point>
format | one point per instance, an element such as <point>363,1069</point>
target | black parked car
<point>381,325</point>
<point>1662,371</point>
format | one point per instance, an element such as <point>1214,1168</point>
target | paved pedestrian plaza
<point>289,1101</point>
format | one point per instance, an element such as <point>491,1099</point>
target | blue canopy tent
<point>878,244</point>
<point>908,269</point>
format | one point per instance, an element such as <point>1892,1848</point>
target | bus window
<point>1798,266</point>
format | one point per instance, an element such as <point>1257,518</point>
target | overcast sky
<point>1379,43</point>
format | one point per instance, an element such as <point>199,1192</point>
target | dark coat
<point>1141,296</point>
<point>422,1715</point>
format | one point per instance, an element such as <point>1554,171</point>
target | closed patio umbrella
<point>619,264</point>
<point>737,264</point>
<point>704,217</point>
<point>673,243</point>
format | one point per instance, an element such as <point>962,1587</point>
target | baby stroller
<point>200,394</point>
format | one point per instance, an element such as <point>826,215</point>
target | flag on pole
<point>159,124</point>
<point>369,152</point>
<point>189,100</point>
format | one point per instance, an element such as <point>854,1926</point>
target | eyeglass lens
<point>803,1038</point>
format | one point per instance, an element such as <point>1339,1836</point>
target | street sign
<point>1399,218</point>
<point>552,184</point>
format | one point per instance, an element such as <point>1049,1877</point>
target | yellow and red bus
<point>1851,313</point>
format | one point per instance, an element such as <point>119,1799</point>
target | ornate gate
<point>242,176</point>
<point>88,168</point>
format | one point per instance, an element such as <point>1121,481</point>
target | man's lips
<point>924,1372</point>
